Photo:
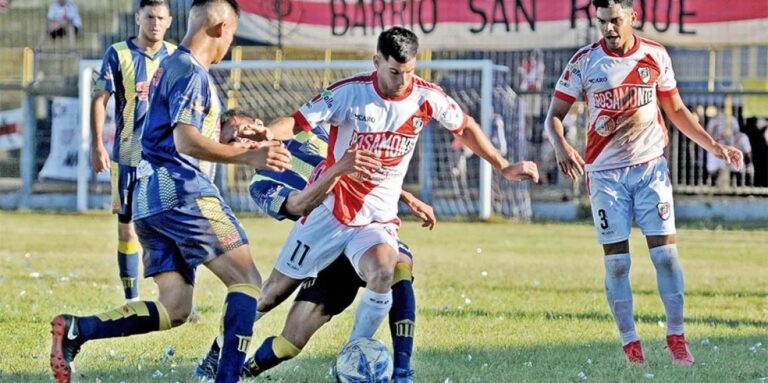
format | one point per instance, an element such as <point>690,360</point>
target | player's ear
<point>217,30</point>
<point>168,23</point>
<point>376,61</point>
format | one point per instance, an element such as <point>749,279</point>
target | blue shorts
<point>186,236</point>
<point>123,182</point>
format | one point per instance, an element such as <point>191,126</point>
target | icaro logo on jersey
<point>624,97</point>
<point>384,145</point>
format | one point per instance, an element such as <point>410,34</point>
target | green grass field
<point>496,303</point>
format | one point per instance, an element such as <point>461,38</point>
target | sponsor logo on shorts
<point>665,210</point>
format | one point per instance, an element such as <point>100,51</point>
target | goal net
<point>442,172</point>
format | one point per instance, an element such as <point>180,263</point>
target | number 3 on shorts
<point>603,219</point>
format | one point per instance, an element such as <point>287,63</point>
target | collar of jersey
<point>609,52</point>
<point>381,94</point>
<point>143,52</point>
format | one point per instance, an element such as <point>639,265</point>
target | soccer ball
<point>364,360</point>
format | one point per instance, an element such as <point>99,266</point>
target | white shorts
<point>641,191</point>
<point>317,240</point>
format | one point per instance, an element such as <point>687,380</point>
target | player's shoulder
<point>428,87</point>
<point>584,52</point>
<point>652,46</point>
<point>357,79</point>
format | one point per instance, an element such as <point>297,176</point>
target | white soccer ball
<point>364,360</point>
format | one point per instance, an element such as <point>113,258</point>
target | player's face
<point>394,77</point>
<point>229,128</point>
<point>615,24</point>
<point>153,22</point>
<point>228,35</point>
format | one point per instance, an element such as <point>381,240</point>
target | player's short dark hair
<point>232,3</point>
<point>609,3</point>
<point>235,112</point>
<point>153,3</point>
<point>398,43</point>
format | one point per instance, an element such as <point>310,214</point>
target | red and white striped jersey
<point>621,92</point>
<point>358,113</point>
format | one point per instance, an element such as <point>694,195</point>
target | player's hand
<point>270,155</point>
<point>423,212</point>
<point>100,159</point>
<point>570,162</point>
<point>521,171</point>
<point>254,132</point>
<point>356,161</point>
<point>729,154</point>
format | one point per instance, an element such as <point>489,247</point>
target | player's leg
<point>654,210</point>
<point>137,317</point>
<point>123,180</point>
<point>402,316</point>
<point>373,251</point>
<point>611,212</point>
<point>221,245</point>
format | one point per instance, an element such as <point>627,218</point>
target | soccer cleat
<point>634,352</point>
<point>678,350</point>
<point>206,370</point>
<point>65,346</point>
<point>251,369</point>
<point>402,376</point>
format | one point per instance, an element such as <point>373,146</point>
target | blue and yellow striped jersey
<point>270,189</point>
<point>125,72</point>
<point>182,92</point>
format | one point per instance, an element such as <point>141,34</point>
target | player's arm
<point>102,91</point>
<point>99,156</point>
<point>473,137</point>
<point>353,161</point>
<point>679,114</point>
<point>420,209</point>
<point>568,158</point>
<point>284,128</point>
<point>269,155</point>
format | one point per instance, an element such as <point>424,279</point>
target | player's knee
<point>617,267</point>
<point>126,233</point>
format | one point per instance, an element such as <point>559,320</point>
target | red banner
<point>495,24</point>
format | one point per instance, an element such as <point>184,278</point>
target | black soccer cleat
<point>251,369</point>
<point>64,346</point>
<point>207,368</point>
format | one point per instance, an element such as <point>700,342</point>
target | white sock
<point>619,294</point>
<point>669,278</point>
<point>371,311</point>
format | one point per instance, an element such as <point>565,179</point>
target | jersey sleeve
<point>570,86</point>
<point>109,66</point>
<point>270,196</point>
<point>666,85</point>
<point>326,107</point>
<point>190,100</point>
<point>448,113</point>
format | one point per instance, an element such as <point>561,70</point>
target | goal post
<point>455,183</point>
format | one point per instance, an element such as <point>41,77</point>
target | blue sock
<point>273,351</point>
<point>669,278</point>
<point>402,316</point>
<point>619,294</point>
<point>128,264</point>
<point>239,315</point>
<point>133,318</point>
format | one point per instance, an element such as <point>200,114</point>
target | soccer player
<point>180,218</point>
<point>286,195</point>
<point>382,112</point>
<point>623,79</point>
<point>126,70</point>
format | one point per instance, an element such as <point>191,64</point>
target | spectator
<point>724,130</point>
<point>63,21</point>
<point>5,6</point>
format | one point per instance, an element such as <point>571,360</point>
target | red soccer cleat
<point>634,352</point>
<point>678,350</point>
<point>64,347</point>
